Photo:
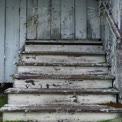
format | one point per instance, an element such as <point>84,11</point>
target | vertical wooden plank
<point>67,19</point>
<point>80,19</point>
<point>12,37</point>
<point>55,19</point>
<point>93,19</point>
<point>32,19</point>
<point>22,22</point>
<point>43,29</point>
<point>2,38</point>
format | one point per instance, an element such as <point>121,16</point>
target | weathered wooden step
<point>64,64</point>
<point>62,77</point>
<point>65,42</point>
<point>62,83</point>
<point>25,96</point>
<point>64,58</point>
<point>64,69</point>
<point>64,48</point>
<point>75,54</point>
<point>59,113</point>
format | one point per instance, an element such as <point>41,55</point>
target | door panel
<point>44,13</point>
<point>67,19</point>
<point>62,19</point>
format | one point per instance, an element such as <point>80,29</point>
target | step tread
<point>64,53</point>
<point>68,77</point>
<point>64,42</point>
<point>61,108</point>
<point>61,91</point>
<point>64,64</point>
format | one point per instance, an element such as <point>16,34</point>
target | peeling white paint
<point>37,99</point>
<point>60,117</point>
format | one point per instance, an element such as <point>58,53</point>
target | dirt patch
<point>114,105</point>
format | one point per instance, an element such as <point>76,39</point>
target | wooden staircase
<point>62,81</point>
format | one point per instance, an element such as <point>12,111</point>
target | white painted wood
<point>80,19</point>
<point>64,48</point>
<point>57,83</point>
<point>12,37</point>
<point>93,19</point>
<point>2,39</point>
<point>67,19</point>
<point>55,117</point>
<point>62,70</point>
<point>32,17</point>
<point>43,99</point>
<point>55,19</point>
<point>62,59</point>
<point>43,28</point>
<point>22,22</point>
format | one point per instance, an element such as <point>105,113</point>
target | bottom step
<point>60,113</point>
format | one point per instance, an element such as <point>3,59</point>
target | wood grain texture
<point>67,19</point>
<point>56,19</point>
<point>43,29</point>
<point>32,19</point>
<point>22,22</point>
<point>2,38</point>
<point>80,19</point>
<point>12,37</point>
<point>93,19</point>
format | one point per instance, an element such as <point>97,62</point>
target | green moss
<point>3,100</point>
<point>114,120</point>
<point>14,121</point>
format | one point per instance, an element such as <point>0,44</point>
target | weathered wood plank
<point>64,48</point>
<point>62,83</point>
<point>12,37</point>
<point>22,22</point>
<point>43,29</point>
<point>67,19</point>
<point>56,19</point>
<point>61,59</point>
<point>2,38</point>
<point>70,96</point>
<point>62,70</point>
<point>93,19</point>
<point>32,19</point>
<point>80,19</point>
<point>59,116</point>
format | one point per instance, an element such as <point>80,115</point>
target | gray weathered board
<point>42,19</point>
<point>62,19</point>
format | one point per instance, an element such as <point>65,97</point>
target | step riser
<point>59,117</point>
<point>37,99</point>
<point>62,70</point>
<point>62,59</point>
<point>71,84</point>
<point>64,48</point>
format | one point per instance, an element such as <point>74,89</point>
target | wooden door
<point>62,19</point>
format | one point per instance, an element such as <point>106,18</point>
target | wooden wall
<point>62,19</point>
<point>42,19</point>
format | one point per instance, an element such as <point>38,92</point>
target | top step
<point>64,42</point>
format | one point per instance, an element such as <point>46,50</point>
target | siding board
<point>93,19</point>
<point>32,19</point>
<point>55,19</point>
<point>22,22</point>
<point>43,29</point>
<point>80,19</point>
<point>2,38</point>
<point>12,37</point>
<point>67,19</point>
